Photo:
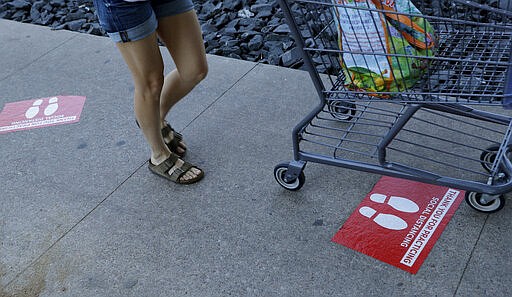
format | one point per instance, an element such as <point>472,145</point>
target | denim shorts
<point>130,21</point>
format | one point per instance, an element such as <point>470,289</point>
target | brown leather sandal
<point>168,170</point>
<point>175,142</point>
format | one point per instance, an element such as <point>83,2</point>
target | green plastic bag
<point>370,33</point>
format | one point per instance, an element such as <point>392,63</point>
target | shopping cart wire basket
<point>426,110</point>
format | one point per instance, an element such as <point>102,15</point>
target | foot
<point>175,169</point>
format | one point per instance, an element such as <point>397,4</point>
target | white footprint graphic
<point>398,203</point>
<point>387,221</point>
<point>34,109</point>
<point>52,106</point>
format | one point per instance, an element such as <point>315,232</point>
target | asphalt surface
<point>82,215</point>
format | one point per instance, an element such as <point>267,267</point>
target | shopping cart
<point>428,131</point>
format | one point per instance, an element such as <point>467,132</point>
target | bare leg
<point>183,39</point>
<point>145,63</point>
<point>144,60</point>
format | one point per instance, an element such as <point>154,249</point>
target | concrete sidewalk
<point>82,215</point>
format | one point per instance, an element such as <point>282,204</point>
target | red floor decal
<point>399,221</point>
<point>43,112</point>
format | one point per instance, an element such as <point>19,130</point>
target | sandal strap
<point>178,172</point>
<point>164,169</point>
<point>177,135</point>
<point>175,143</point>
<point>168,129</point>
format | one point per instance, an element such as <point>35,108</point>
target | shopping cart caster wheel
<point>474,200</point>
<point>292,185</point>
<point>489,155</point>
<point>341,110</point>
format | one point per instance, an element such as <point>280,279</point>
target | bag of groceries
<point>371,33</point>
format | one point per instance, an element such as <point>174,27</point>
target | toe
<point>192,173</point>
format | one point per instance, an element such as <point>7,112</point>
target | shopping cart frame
<point>487,196</point>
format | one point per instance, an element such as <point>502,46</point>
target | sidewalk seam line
<point>38,58</point>
<point>221,95</point>
<point>470,256</point>
<point>34,262</point>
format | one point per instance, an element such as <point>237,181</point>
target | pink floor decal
<point>42,112</point>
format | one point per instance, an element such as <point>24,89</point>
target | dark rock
<point>305,34</point>
<point>231,43</point>
<point>4,7</point>
<point>255,43</point>
<point>247,22</point>
<point>47,7</point>
<point>76,25</point>
<point>225,38</point>
<point>209,10</point>
<point>232,5</point>
<point>291,58</point>
<point>245,13</point>
<point>73,16</point>
<point>234,56</point>
<point>282,29</point>
<point>211,46</point>
<point>216,51</point>
<point>233,23</point>
<point>19,4</point>
<point>266,29</point>
<point>274,22</point>
<point>35,15</point>
<point>222,20</point>
<point>231,50</point>
<point>59,26</point>
<point>261,7</point>
<point>248,34</point>
<point>230,31</point>
<point>264,14</point>
<point>93,28</point>
<point>18,15</point>
<point>208,28</point>
<point>277,37</point>
<point>38,5</point>
<point>58,3</point>
<point>46,18</point>
<point>5,14</point>
<point>90,16</point>
<point>254,30</point>
<point>244,46</point>
<point>287,45</point>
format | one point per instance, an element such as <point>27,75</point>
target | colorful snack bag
<point>382,44</point>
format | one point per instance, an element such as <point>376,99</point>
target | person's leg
<point>182,36</point>
<point>144,60</point>
<point>146,66</point>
